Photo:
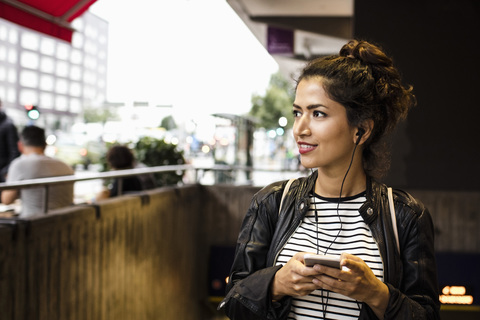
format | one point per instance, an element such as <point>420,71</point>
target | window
<point>12,55</point>
<point>46,82</point>
<point>61,86</point>
<point>13,36</point>
<point>3,32</point>
<point>30,41</point>
<point>76,73</point>
<point>75,89</point>
<point>63,51</point>
<point>47,65</point>
<point>75,105</point>
<point>62,69</point>
<point>12,75</point>
<point>12,94</point>
<point>29,59</point>
<point>76,57</point>
<point>47,46</point>
<point>78,40</point>
<point>91,63</point>
<point>28,96</point>
<point>61,103</point>
<point>29,78</point>
<point>46,100</point>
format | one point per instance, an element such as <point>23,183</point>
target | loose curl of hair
<point>364,80</point>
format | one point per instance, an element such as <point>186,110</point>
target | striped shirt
<point>336,232</point>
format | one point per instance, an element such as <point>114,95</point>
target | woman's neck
<point>329,185</point>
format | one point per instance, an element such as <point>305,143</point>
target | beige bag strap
<point>287,187</point>
<point>394,218</point>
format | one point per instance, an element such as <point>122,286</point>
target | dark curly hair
<point>120,157</point>
<point>364,80</point>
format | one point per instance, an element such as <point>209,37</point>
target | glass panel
<point>62,69</point>
<point>61,86</point>
<point>46,82</point>
<point>47,65</point>
<point>29,60</point>
<point>28,96</point>
<point>63,51</point>
<point>29,78</point>
<point>47,46</point>
<point>46,100</point>
<point>30,41</point>
<point>61,103</point>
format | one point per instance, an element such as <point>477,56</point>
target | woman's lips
<point>305,147</point>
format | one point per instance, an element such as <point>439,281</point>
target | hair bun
<point>365,52</point>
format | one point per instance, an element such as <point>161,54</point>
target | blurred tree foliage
<point>102,114</point>
<point>276,103</point>
<point>168,123</point>
<point>155,152</point>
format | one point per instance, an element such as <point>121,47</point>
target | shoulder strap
<point>287,187</point>
<point>394,218</point>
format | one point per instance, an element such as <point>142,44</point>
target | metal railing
<point>47,182</point>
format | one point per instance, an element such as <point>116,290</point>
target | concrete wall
<point>146,257</point>
<point>128,258</point>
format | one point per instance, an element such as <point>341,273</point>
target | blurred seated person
<point>120,157</point>
<point>32,164</point>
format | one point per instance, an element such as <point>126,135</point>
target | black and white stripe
<point>342,231</point>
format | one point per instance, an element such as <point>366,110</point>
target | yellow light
<point>446,299</point>
<point>455,295</point>
<point>454,290</point>
<point>457,290</point>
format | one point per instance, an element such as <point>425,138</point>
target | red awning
<point>50,17</point>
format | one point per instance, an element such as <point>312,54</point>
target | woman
<point>120,157</point>
<point>344,107</point>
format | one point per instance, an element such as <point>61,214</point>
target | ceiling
<point>319,27</point>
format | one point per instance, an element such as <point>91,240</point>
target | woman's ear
<point>364,131</point>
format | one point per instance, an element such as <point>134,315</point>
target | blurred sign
<point>455,295</point>
<point>279,41</point>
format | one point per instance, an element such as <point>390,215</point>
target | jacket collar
<point>367,209</point>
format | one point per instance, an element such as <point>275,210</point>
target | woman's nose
<point>301,126</point>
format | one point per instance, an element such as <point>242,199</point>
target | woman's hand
<point>294,279</point>
<point>355,280</point>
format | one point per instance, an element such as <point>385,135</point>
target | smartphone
<point>326,260</point>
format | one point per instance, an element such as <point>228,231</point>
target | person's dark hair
<point>120,157</point>
<point>33,136</point>
<point>364,80</point>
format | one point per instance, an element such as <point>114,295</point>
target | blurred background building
<point>58,77</point>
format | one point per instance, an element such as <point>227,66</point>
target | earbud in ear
<point>360,134</point>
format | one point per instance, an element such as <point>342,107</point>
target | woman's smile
<point>304,147</point>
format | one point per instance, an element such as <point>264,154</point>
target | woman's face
<point>325,139</point>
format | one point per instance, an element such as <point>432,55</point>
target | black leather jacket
<point>8,144</point>
<point>411,277</point>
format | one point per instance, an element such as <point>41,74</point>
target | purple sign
<point>279,41</point>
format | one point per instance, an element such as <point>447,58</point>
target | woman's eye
<point>296,113</point>
<point>318,114</point>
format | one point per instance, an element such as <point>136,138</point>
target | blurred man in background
<point>8,143</point>
<point>33,163</point>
